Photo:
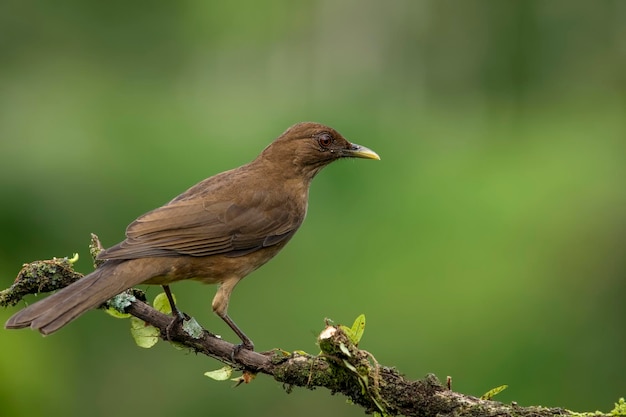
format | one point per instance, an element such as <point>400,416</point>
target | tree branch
<point>341,367</point>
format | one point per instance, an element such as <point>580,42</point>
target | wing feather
<point>201,227</point>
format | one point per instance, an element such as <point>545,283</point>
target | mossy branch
<point>341,367</point>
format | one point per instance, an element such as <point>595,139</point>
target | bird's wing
<point>200,227</point>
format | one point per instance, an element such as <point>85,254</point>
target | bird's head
<point>308,147</point>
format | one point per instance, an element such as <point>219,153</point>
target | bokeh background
<point>488,244</point>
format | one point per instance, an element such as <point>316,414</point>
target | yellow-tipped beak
<point>358,151</point>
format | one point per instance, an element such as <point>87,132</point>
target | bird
<point>217,232</point>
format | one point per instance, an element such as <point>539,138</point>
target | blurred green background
<point>488,244</point>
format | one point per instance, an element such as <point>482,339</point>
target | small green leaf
<point>144,334</point>
<point>221,374</point>
<point>355,333</point>
<point>73,259</point>
<point>493,392</point>
<point>344,349</point>
<point>358,327</point>
<point>162,304</point>
<point>350,366</point>
<point>114,313</point>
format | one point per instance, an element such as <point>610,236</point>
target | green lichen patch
<point>40,277</point>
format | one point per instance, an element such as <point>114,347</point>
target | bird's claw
<point>177,321</point>
<point>247,345</point>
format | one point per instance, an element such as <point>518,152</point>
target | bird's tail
<point>57,310</point>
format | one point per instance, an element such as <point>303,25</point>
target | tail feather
<point>57,310</point>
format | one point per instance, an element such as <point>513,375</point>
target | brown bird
<point>216,232</point>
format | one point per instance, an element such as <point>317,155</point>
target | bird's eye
<point>325,140</point>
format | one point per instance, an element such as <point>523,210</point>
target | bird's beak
<point>358,151</point>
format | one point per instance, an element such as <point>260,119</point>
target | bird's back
<point>232,213</point>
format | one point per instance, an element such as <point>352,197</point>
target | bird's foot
<point>244,345</point>
<point>176,323</point>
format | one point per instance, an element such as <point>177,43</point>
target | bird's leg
<point>178,316</point>
<point>220,307</point>
<point>246,343</point>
